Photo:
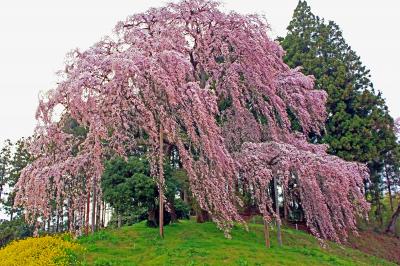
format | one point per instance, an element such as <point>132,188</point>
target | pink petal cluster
<point>169,68</point>
<point>331,190</point>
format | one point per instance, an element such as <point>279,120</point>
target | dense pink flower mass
<point>330,190</point>
<point>216,85</point>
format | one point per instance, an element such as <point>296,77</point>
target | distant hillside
<point>190,243</point>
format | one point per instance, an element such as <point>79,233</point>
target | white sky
<point>36,35</point>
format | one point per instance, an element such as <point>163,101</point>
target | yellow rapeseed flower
<point>46,250</point>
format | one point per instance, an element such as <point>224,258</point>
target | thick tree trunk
<point>87,212</point>
<point>174,217</point>
<point>278,222</point>
<point>285,205</point>
<point>202,216</point>
<point>391,228</point>
<point>161,184</point>
<point>286,211</point>
<point>151,217</point>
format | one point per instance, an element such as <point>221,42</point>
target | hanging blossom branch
<point>331,189</point>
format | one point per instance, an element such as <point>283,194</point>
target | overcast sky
<point>36,35</point>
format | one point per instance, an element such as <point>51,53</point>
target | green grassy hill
<point>190,243</point>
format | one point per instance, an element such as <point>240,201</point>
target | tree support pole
<point>278,222</point>
<point>161,184</point>
<point>266,235</point>
<point>87,213</point>
<point>94,205</point>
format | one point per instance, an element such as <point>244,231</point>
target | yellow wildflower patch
<point>46,250</point>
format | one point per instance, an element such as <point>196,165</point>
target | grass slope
<point>190,243</point>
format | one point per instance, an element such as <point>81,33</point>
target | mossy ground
<point>190,243</point>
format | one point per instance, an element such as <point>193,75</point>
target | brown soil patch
<point>379,245</point>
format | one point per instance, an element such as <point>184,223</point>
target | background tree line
<point>13,158</point>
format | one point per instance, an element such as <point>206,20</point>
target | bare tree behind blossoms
<point>205,81</point>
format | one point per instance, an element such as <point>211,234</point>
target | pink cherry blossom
<point>170,68</point>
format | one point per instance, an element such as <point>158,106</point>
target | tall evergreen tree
<point>359,126</point>
<point>5,159</point>
<point>18,160</point>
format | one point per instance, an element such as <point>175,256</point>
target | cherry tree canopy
<point>329,197</point>
<point>215,85</point>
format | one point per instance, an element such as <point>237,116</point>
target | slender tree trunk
<point>69,214</point>
<point>391,228</point>
<point>73,223</point>
<point>12,208</point>
<point>94,205</point>
<point>73,220</point>
<point>119,220</point>
<point>266,235</point>
<point>98,214</point>
<point>278,222</point>
<point>378,211</point>
<point>82,217</point>
<point>62,219</point>
<point>57,220</point>
<point>103,215</point>
<point>389,186</point>
<point>87,212</point>
<point>161,184</point>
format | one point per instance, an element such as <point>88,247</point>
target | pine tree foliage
<point>359,126</point>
